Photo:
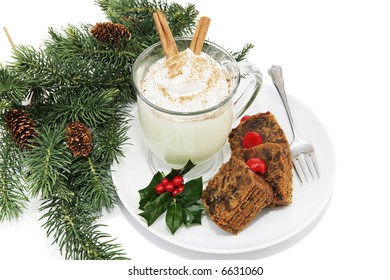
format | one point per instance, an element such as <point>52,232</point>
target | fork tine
<point>298,164</point>
<point>309,165</point>
<point>303,164</point>
<point>314,162</point>
<point>298,171</point>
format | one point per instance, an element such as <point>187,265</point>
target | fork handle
<point>276,74</point>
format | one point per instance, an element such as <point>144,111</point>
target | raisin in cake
<point>236,195</point>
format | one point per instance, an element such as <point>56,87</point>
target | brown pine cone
<point>79,139</point>
<point>112,33</point>
<point>21,126</point>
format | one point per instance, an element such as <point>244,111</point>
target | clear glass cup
<point>176,137</point>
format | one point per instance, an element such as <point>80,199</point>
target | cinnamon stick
<point>200,35</point>
<point>9,37</point>
<point>166,37</point>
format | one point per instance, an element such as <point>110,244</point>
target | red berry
<point>159,188</point>
<point>180,189</point>
<point>165,181</point>
<point>175,193</point>
<point>169,187</point>
<point>245,118</point>
<point>177,180</point>
<point>257,165</point>
<point>251,139</point>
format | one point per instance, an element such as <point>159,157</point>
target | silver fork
<point>302,151</point>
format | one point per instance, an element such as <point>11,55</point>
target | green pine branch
<point>111,136</point>
<point>12,88</point>
<point>242,54</point>
<point>73,226</point>
<point>48,164</point>
<point>182,20</point>
<point>98,64</point>
<point>49,76</point>
<point>93,107</point>
<point>73,41</point>
<point>93,180</point>
<point>13,198</point>
<point>39,72</point>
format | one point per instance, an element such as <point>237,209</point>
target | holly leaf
<point>183,208</point>
<point>192,192</point>
<point>193,214</point>
<point>187,168</point>
<point>155,208</point>
<point>148,194</point>
<point>174,217</point>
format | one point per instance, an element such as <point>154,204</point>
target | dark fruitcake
<point>236,195</point>
<point>269,129</point>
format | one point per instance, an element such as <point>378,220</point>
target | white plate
<point>273,225</point>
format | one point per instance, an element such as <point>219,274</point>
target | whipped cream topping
<point>186,82</point>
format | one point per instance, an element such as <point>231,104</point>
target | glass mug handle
<point>243,100</point>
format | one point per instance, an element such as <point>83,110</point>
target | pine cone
<point>108,32</point>
<point>21,126</point>
<point>79,139</point>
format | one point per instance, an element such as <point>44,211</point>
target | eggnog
<point>186,82</point>
<point>192,120</point>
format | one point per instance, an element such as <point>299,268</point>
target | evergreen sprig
<point>242,54</point>
<point>13,197</point>
<point>48,164</point>
<point>93,107</point>
<point>92,63</point>
<point>73,226</point>
<point>93,180</point>
<point>111,136</point>
<point>12,88</point>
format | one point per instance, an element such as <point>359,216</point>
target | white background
<point>335,57</point>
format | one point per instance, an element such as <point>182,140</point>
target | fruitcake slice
<point>278,173</point>
<point>236,195</point>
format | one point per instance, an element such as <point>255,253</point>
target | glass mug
<point>176,137</point>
